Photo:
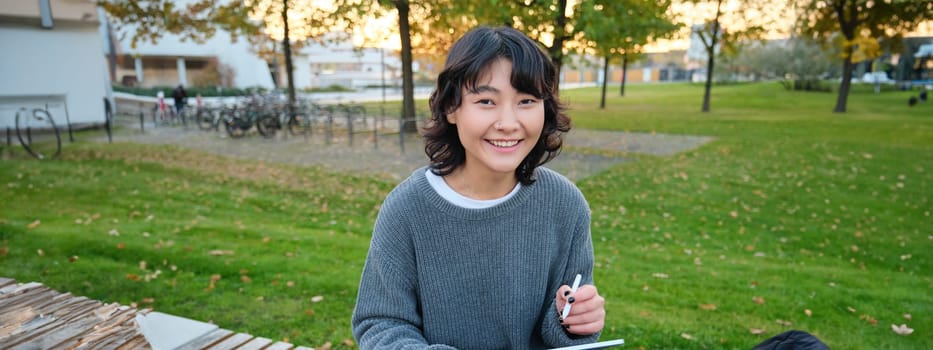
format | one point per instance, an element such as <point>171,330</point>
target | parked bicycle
<point>38,133</point>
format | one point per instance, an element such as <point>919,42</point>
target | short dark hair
<point>532,73</point>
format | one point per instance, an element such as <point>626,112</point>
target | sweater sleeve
<point>387,315</point>
<point>580,260</point>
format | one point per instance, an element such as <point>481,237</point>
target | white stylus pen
<point>573,289</point>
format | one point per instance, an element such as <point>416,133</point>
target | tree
<point>620,28</point>
<point>866,26</point>
<point>730,23</point>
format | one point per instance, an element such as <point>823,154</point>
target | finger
<point>584,329</point>
<point>585,314</point>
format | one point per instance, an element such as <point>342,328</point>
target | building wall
<point>63,67</point>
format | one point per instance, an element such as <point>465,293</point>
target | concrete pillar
<point>182,74</point>
<point>138,62</point>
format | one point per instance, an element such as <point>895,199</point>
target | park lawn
<point>793,218</point>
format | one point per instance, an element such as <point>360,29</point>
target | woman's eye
<point>528,101</point>
<point>485,101</point>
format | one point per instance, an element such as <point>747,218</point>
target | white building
<point>52,58</point>
<point>174,61</point>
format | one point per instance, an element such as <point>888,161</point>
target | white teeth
<point>503,143</point>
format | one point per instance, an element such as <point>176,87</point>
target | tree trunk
<point>556,51</point>
<point>287,47</point>
<point>846,83</point>
<point>408,86</point>
<point>709,82</point>
<point>602,100</point>
<point>624,74</point>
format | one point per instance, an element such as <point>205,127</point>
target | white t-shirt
<point>444,190</point>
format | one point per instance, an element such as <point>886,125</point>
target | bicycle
<point>40,122</point>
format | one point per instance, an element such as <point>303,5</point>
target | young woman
<point>478,250</point>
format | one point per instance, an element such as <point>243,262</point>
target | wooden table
<point>33,316</point>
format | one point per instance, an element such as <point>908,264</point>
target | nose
<point>508,120</point>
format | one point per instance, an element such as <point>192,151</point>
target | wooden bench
<point>33,316</point>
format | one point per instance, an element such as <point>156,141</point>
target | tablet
<point>600,345</point>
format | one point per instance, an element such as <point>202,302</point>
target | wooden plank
<point>23,297</point>
<point>303,348</point>
<point>71,317</point>
<point>231,342</point>
<point>207,340</point>
<point>138,342</point>
<point>255,344</point>
<point>117,324</point>
<point>280,346</point>
<point>6,282</point>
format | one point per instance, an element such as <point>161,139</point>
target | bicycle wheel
<point>268,125</point>
<point>205,119</point>
<point>38,133</point>
<point>236,125</point>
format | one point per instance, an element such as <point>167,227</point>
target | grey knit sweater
<point>439,276</point>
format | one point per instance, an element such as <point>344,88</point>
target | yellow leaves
<point>214,278</point>
<point>708,307</point>
<point>758,300</point>
<point>121,246</point>
<point>133,277</point>
<point>687,336</point>
<point>808,312</point>
<point>349,342</point>
<point>902,329</point>
<point>218,252</point>
<point>34,224</point>
<point>756,331</point>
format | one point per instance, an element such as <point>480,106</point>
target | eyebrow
<point>483,88</point>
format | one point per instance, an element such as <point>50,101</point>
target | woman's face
<point>497,125</point>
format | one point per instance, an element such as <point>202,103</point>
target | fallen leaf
<point>245,279</point>
<point>309,312</point>
<point>290,284</point>
<point>114,232</point>
<point>708,306</point>
<point>132,277</point>
<point>34,224</point>
<point>147,300</point>
<point>852,310</point>
<point>908,317</point>
<point>326,346</point>
<point>349,342</point>
<point>220,252</point>
<point>72,258</point>
<point>783,323</point>
<point>40,252</point>
<point>758,300</point>
<point>3,251</point>
<point>121,245</point>
<point>317,298</point>
<point>660,275</point>
<point>902,329</point>
<point>215,277</point>
<point>687,336</point>
<point>808,312</point>
<point>756,331</point>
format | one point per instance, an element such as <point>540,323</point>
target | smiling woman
<point>476,251</point>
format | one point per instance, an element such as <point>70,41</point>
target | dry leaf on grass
<point>687,336</point>
<point>902,329</point>
<point>708,306</point>
<point>317,298</point>
<point>756,331</point>
<point>218,252</point>
<point>34,224</point>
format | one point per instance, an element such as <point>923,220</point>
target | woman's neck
<point>480,185</point>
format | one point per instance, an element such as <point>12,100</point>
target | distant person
<point>912,101</point>
<point>479,249</point>
<point>923,95</point>
<point>181,98</point>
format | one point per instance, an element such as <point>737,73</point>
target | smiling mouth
<point>503,143</point>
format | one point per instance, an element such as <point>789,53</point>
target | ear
<point>452,118</point>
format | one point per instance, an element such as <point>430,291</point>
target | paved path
<point>586,152</point>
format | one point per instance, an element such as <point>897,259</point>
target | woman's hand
<point>587,309</point>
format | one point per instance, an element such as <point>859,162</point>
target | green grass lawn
<point>794,218</point>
